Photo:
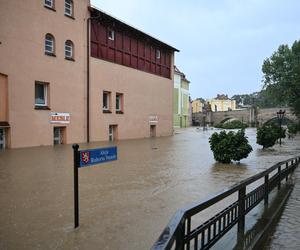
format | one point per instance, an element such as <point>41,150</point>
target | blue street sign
<point>96,156</point>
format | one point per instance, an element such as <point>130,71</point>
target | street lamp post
<point>280,115</point>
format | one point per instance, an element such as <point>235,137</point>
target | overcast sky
<point>222,43</point>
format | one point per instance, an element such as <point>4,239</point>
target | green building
<point>181,108</point>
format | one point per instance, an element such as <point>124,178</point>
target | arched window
<point>69,8</point>
<point>69,49</point>
<point>49,44</point>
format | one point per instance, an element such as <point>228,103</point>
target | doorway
<point>59,135</point>
<point>2,139</point>
<point>152,130</point>
<point>112,132</point>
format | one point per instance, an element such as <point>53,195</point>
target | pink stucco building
<point>72,73</point>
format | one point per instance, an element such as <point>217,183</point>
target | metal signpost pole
<point>76,202</point>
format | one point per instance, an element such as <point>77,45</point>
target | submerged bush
<point>231,146</point>
<point>268,134</point>
<point>293,129</point>
<point>235,124</point>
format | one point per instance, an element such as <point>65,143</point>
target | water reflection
<point>123,204</point>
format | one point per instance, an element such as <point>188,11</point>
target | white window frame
<point>45,87</point>
<point>107,105</point>
<point>69,7</point>
<point>120,97</point>
<point>157,54</point>
<point>49,3</point>
<point>111,34</point>
<point>49,43</point>
<point>69,49</point>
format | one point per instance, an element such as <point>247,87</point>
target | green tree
<point>229,146</point>
<point>282,76</point>
<point>268,134</point>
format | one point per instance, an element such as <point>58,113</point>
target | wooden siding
<point>130,50</point>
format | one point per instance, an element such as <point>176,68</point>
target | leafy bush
<point>268,134</point>
<point>235,124</point>
<point>229,146</point>
<point>293,129</point>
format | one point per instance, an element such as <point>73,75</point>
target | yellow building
<point>222,103</point>
<point>181,102</point>
<point>197,105</point>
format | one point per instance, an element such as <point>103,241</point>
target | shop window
<point>41,95</point>
<point>69,8</point>
<point>106,102</point>
<point>119,103</point>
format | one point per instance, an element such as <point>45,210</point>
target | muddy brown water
<point>123,204</point>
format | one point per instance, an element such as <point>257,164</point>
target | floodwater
<point>123,204</point>
<point>287,231</point>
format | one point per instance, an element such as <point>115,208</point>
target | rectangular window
<point>41,94</point>
<point>119,103</point>
<point>69,7</point>
<point>111,34</point>
<point>106,101</point>
<point>49,3</point>
<point>157,54</point>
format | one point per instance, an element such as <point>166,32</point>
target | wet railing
<point>179,234</point>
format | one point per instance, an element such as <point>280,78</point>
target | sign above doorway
<point>59,118</point>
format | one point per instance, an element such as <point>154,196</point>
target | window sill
<point>119,112</point>
<point>106,111</point>
<point>50,8</point>
<point>70,59</point>
<point>42,108</point>
<point>50,54</point>
<point>72,17</point>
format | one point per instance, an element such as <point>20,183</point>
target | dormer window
<point>157,54</point>
<point>111,34</point>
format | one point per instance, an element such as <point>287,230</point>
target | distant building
<point>198,105</point>
<point>181,100</point>
<point>222,103</point>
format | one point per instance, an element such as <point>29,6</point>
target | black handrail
<point>178,232</point>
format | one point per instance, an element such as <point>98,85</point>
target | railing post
<point>266,189</point>
<point>241,218</point>
<point>287,174</point>
<point>180,236</point>
<point>241,222</point>
<point>279,176</point>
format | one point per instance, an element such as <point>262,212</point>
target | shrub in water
<point>235,124</point>
<point>229,146</point>
<point>268,134</point>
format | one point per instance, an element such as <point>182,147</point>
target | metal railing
<point>179,235</point>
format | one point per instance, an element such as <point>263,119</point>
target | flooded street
<point>123,204</point>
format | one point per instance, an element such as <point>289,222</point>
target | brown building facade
<point>52,91</point>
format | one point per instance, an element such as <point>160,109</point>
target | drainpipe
<point>88,79</point>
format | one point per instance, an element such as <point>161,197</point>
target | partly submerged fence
<point>179,235</point>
